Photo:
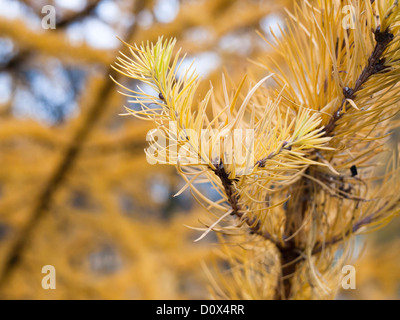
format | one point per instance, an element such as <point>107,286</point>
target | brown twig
<point>233,199</point>
<point>354,228</point>
<point>288,251</point>
<point>375,65</point>
<point>285,146</point>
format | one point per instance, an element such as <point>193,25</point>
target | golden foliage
<point>325,119</point>
<point>79,194</point>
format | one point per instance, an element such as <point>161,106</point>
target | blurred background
<point>76,191</point>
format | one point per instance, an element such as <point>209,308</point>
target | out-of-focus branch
<point>19,58</point>
<point>190,15</point>
<point>245,17</point>
<point>95,110</point>
<point>65,21</point>
<point>70,17</point>
<point>54,43</point>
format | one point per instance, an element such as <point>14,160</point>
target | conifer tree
<point>288,215</point>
